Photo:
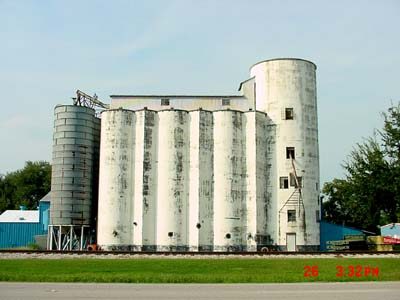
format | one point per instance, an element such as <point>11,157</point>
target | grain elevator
<point>195,173</point>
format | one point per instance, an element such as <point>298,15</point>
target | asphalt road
<point>306,291</point>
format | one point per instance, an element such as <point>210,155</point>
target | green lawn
<point>199,270</point>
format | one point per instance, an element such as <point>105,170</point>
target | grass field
<point>200,270</point>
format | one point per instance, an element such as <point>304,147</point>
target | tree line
<point>25,186</point>
<point>369,195</point>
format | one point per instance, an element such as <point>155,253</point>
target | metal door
<point>291,241</point>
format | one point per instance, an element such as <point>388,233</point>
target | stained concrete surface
<point>306,291</point>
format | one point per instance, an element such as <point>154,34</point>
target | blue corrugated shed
<point>333,232</point>
<point>20,234</point>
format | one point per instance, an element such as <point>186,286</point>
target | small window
<point>289,113</point>
<point>226,102</point>
<point>290,152</point>
<point>228,236</point>
<point>317,218</point>
<point>164,102</point>
<point>284,182</point>
<point>293,181</point>
<point>291,215</point>
<point>170,234</point>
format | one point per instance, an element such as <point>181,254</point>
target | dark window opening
<point>317,218</point>
<point>170,234</point>
<point>198,226</point>
<point>134,223</point>
<point>289,113</point>
<point>164,102</point>
<point>228,235</point>
<point>293,181</point>
<point>316,186</point>
<point>284,182</point>
<point>226,102</point>
<point>291,215</point>
<point>290,152</point>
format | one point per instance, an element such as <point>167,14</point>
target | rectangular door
<point>291,241</point>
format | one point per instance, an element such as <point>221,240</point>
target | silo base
<point>123,248</point>
<point>68,237</point>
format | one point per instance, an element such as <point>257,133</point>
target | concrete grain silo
<point>229,180</point>
<point>146,180</point>
<point>201,177</point>
<point>173,180</point>
<point>286,92</point>
<point>116,184</point>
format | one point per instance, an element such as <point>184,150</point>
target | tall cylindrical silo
<point>116,182</point>
<point>229,181</point>
<point>146,151</point>
<point>257,172</point>
<point>201,188</point>
<point>72,168</point>
<point>173,183</point>
<point>286,91</point>
<point>73,181</point>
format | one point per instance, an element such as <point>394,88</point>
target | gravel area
<point>9,255</point>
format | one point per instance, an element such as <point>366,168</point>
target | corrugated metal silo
<point>74,181</point>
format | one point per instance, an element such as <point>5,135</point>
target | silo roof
<point>284,58</point>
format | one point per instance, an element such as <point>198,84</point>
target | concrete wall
<point>188,103</point>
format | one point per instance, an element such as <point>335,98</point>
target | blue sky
<point>48,49</point>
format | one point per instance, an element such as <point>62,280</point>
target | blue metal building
<point>18,228</point>
<point>333,232</point>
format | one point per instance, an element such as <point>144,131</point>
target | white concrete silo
<point>201,189</point>
<point>145,180</point>
<point>229,181</point>
<point>116,182</point>
<point>173,180</point>
<point>258,208</point>
<point>286,91</point>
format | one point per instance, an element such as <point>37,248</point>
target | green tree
<point>26,186</point>
<point>369,195</point>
